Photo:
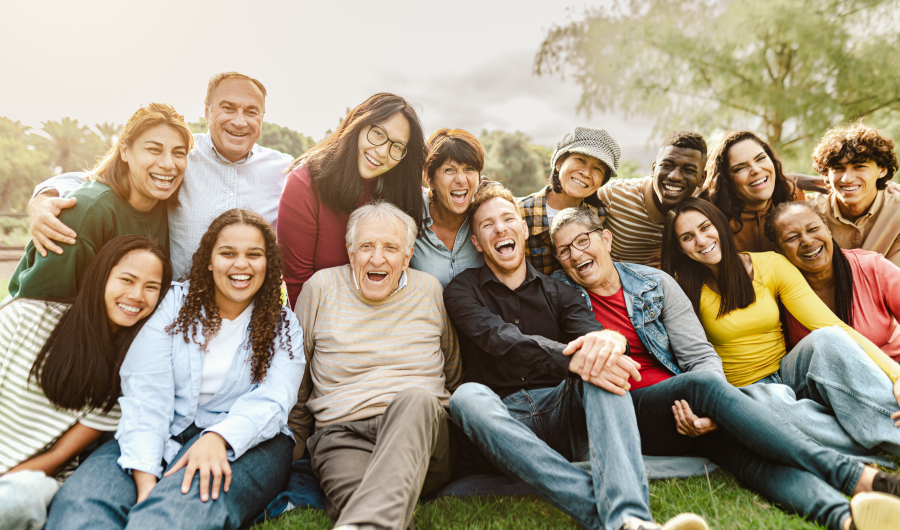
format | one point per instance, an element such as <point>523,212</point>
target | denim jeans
<point>763,451</point>
<point>843,399</point>
<point>536,434</point>
<point>101,495</point>
<point>24,499</point>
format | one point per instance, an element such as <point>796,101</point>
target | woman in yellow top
<point>736,296</point>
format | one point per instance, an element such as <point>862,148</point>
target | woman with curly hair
<point>59,363</point>
<point>744,179</point>
<point>207,387</point>
<point>377,152</point>
<point>736,295</point>
<point>858,163</point>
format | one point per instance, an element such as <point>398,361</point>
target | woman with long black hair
<point>377,152</point>
<point>59,364</point>
<point>207,387</point>
<point>736,296</point>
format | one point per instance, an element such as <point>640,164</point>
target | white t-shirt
<point>551,213</point>
<point>221,350</point>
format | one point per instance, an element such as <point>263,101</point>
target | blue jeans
<point>843,399</point>
<point>534,435</point>
<point>101,495</point>
<point>763,451</point>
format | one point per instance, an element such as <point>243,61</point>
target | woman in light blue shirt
<point>207,387</point>
<point>452,168</point>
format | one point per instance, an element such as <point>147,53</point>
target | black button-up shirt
<point>513,339</point>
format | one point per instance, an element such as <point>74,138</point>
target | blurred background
<point>518,74</point>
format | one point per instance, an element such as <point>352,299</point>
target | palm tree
<point>70,146</point>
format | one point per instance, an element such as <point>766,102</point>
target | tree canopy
<point>787,69</point>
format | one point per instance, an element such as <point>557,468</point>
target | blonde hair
<point>112,170</point>
<point>490,191</point>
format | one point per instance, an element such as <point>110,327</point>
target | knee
<point>471,399</point>
<point>416,397</point>
<point>706,379</point>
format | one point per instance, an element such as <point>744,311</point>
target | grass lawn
<point>718,497</point>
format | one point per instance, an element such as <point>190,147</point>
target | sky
<point>463,63</point>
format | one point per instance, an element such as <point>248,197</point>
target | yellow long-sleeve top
<point>750,341</point>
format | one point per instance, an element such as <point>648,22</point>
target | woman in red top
<point>859,286</point>
<point>377,152</point>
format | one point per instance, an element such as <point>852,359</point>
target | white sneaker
<point>684,521</point>
<point>875,511</point>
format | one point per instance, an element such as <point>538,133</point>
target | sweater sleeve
<point>57,276</point>
<point>300,419</point>
<point>453,369</point>
<point>809,310</point>
<point>687,339</point>
<point>298,219</point>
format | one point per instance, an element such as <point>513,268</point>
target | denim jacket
<point>663,318</point>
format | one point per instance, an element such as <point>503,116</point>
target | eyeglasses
<point>581,242</point>
<point>377,136</point>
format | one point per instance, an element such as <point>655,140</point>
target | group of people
<point>380,307</point>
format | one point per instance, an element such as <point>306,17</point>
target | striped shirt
<point>361,353</point>
<point>29,423</point>
<point>636,238</point>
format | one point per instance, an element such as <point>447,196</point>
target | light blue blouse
<point>161,391</point>
<point>433,257</point>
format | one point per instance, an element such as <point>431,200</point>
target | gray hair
<point>582,214</point>
<point>384,212</point>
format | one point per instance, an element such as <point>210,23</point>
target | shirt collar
<point>486,275</point>
<point>216,155</point>
<point>836,210</point>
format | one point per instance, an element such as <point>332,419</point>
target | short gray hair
<point>582,214</point>
<point>384,212</point>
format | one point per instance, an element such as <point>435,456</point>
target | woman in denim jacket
<point>207,387</point>
<point>681,373</point>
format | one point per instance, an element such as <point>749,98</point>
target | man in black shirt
<point>544,384</point>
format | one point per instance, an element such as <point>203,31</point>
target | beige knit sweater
<point>360,354</point>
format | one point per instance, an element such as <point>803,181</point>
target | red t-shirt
<point>612,313</point>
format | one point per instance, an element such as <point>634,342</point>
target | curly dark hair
<point>718,188</point>
<point>859,143</point>
<point>686,140</point>
<point>269,318</point>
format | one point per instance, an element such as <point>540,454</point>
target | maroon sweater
<point>310,234</point>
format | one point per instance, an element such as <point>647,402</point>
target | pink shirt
<point>876,302</point>
<point>310,234</point>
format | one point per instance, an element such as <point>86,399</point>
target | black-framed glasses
<point>582,241</point>
<point>377,136</point>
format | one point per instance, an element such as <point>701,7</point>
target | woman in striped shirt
<point>59,363</point>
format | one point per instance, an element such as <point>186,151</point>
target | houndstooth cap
<point>592,142</point>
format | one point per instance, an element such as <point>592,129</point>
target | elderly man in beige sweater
<point>382,359</point>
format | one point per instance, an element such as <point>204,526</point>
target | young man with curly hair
<point>857,162</point>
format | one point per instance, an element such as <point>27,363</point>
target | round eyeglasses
<point>377,136</point>
<point>581,242</point>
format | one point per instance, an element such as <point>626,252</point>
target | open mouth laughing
<point>579,182</point>
<point>372,162</point>
<point>585,266</point>
<point>162,181</point>
<point>237,134</point>
<point>505,247</point>
<point>129,310</point>
<point>459,196</point>
<point>239,281</point>
<point>813,255</point>
<point>759,183</point>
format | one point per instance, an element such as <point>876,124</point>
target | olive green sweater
<point>97,217</point>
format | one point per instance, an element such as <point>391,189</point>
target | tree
<point>786,68</point>
<point>69,145</point>
<point>285,140</point>
<point>21,165</point>
<point>511,160</point>
<point>109,133</point>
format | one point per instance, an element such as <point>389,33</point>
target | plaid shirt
<point>533,210</point>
